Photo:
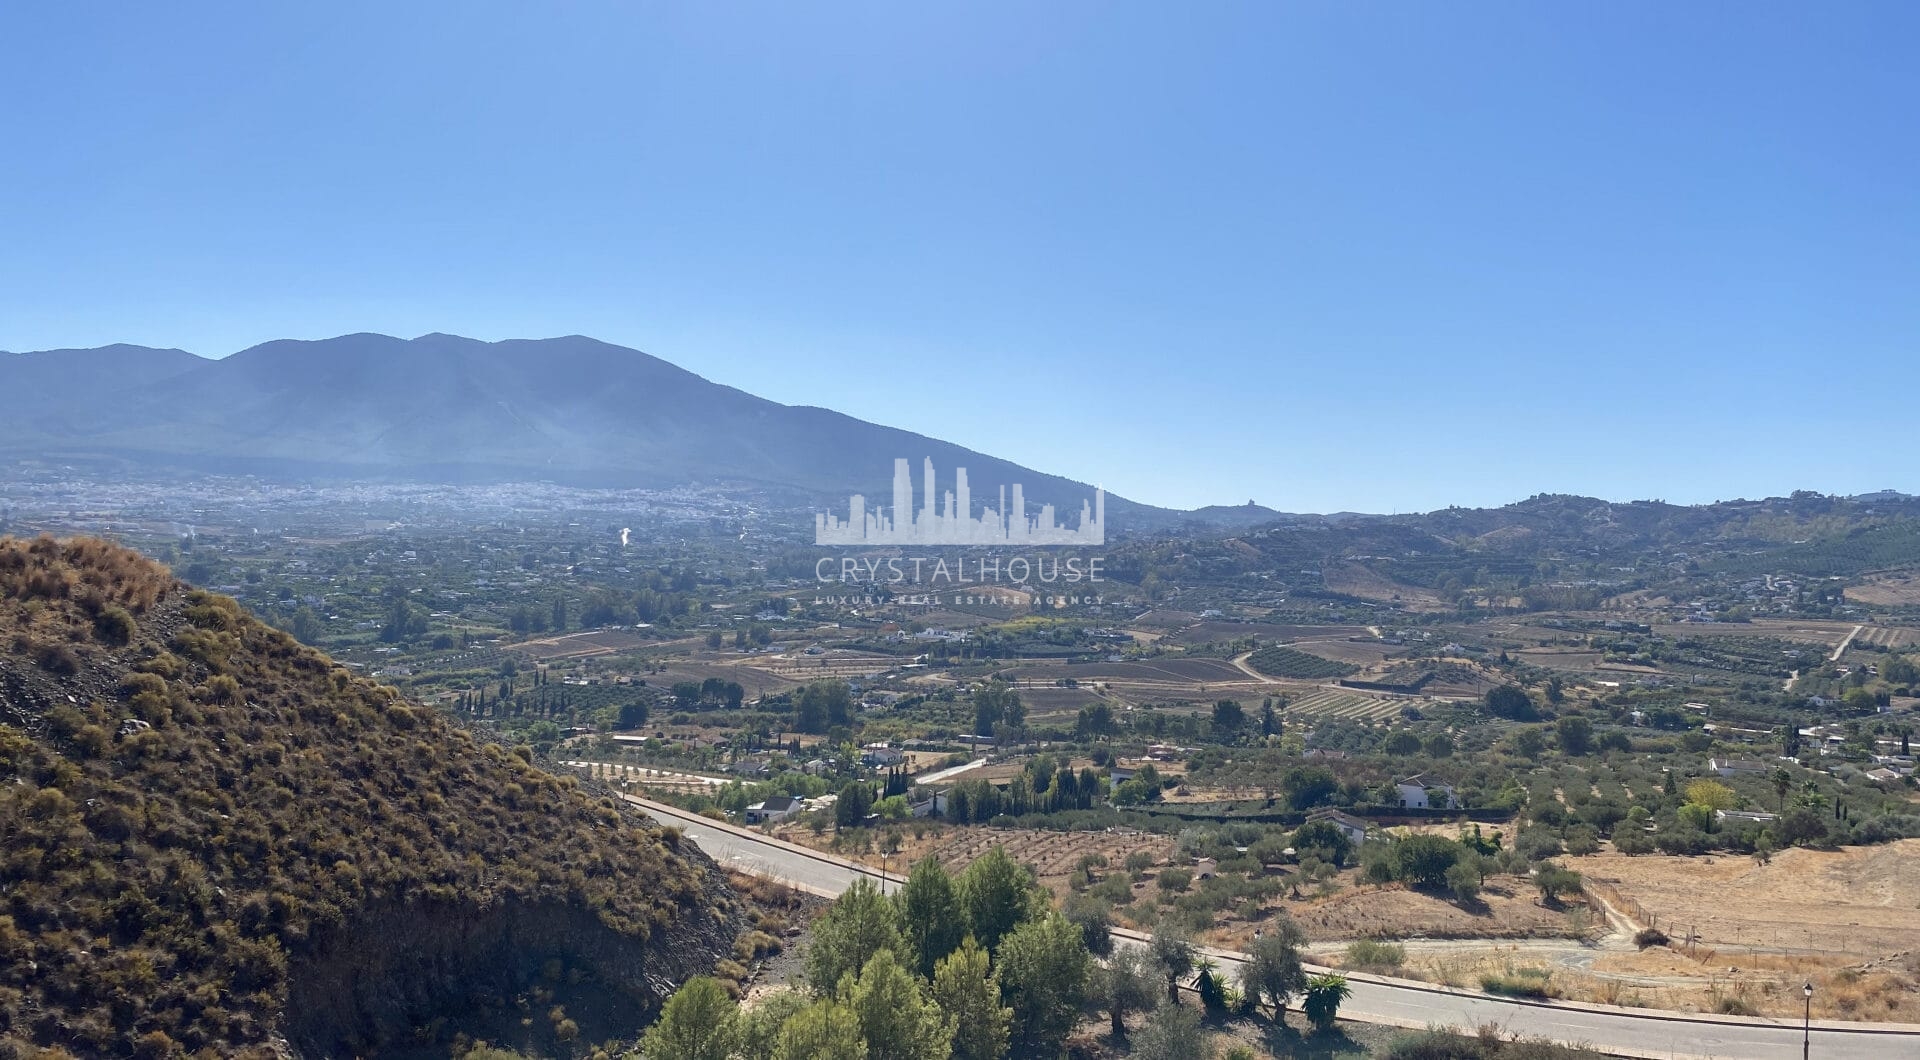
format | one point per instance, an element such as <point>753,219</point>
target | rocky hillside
<point>214,841</point>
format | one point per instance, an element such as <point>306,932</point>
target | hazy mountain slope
<point>218,841</point>
<point>441,407</point>
<point>57,393</point>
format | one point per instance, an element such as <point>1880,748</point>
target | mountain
<point>219,843</point>
<point>571,410</point>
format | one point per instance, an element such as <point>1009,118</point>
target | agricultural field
<point>1280,661</point>
<point>838,664</point>
<point>1893,638</point>
<point>1344,704</point>
<point>1042,699</point>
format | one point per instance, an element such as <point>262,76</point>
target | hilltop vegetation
<point>218,842</point>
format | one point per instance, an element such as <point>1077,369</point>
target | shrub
<point>1519,982</point>
<point>1651,936</point>
<point>1367,953</point>
<point>116,626</point>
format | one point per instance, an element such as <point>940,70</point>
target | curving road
<point>1623,1032</point>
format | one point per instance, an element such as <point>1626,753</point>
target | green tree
<point>969,994</point>
<point>1402,743</point>
<point>1043,970</point>
<point>1173,1032</point>
<point>307,627</point>
<point>897,1020</point>
<point>930,915</point>
<point>1529,742</point>
<point>1712,794</point>
<point>997,710</point>
<point>697,1023</point>
<point>824,1030</point>
<point>1173,952</point>
<point>1554,881</point>
<point>1422,861</point>
<point>853,805</point>
<point>859,924</point>
<point>1126,983</point>
<point>1228,717</point>
<point>1323,997</point>
<point>757,1036</point>
<point>1576,735</point>
<point>1782,783</point>
<point>1272,969</point>
<point>1511,702</point>
<point>1324,840</point>
<point>631,715</point>
<point>997,893</point>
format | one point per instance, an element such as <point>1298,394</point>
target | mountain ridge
<point>570,409</point>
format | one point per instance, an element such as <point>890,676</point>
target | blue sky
<point>1321,255</point>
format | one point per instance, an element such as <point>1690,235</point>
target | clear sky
<point>1325,256</point>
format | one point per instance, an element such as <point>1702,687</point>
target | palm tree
<point>1323,998</point>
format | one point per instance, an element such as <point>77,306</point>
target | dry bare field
<point>834,664</point>
<point>1889,589</point>
<point>1510,909</point>
<point>753,678</point>
<point>1806,630</point>
<point>1861,901</point>
<point>1559,658</point>
<point>1163,619</point>
<point>1155,679</point>
<point>1354,579</point>
<point>1201,633</point>
<point>577,645</point>
<point>1365,652</point>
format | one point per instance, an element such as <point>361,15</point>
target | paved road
<point>950,772</point>
<point>1626,1032</point>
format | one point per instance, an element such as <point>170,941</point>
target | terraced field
<point>1340,703</point>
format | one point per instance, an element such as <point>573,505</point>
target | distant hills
<point>443,408</point>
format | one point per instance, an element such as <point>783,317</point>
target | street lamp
<point>1806,1023</point>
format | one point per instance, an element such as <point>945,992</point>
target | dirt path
<point>1240,661</point>
<point>1842,649</point>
